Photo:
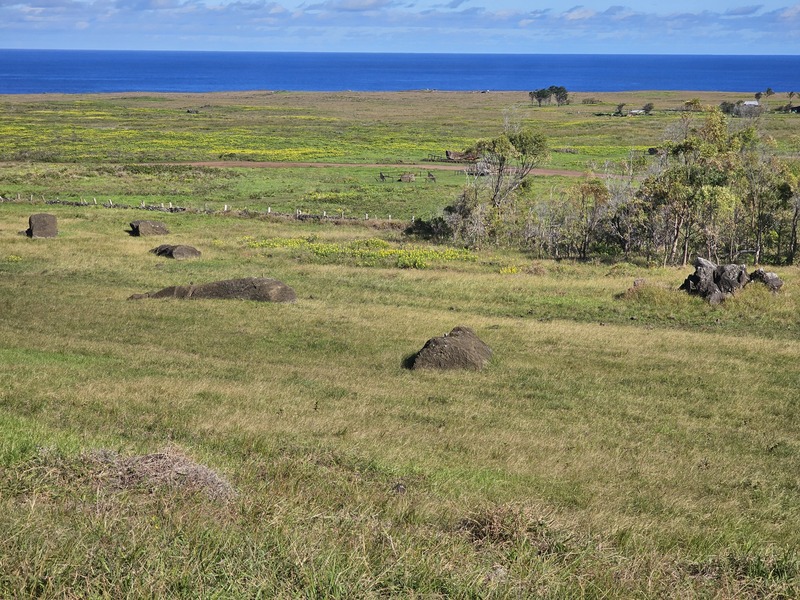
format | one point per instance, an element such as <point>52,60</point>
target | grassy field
<point>620,444</point>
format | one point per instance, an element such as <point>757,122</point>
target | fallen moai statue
<point>143,228</point>
<point>715,283</point>
<point>259,289</point>
<point>459,349</point>
<point>42,225</point>
<point>178,252</point>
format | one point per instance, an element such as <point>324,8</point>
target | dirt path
<point>414,166</point>
<point>247,164</point>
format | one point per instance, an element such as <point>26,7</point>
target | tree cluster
<point>741,109</point>
<point>488,211</point>
<point>707,191</point>
<point>546,95</point>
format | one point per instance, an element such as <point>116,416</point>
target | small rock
<point>771,280</point>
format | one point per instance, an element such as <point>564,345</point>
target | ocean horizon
<point>111,71</point>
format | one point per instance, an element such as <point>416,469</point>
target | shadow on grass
<point>409,360</point>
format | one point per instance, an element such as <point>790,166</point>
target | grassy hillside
<point>620,444</point>
<point>616,445</point>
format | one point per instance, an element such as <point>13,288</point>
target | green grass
<point>618,445</point>
<point>335,191</point>
<point>331,127</point>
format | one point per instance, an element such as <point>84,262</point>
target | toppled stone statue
<point>42,225</point>
<point>178,252</point>
<point>717,283</point>
<point>459,349</point>
<point>143,228</point>
<point>259,289</point>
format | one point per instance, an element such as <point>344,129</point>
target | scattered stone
<point>42,225</point>
<point>459,349</point>
<point>259,289</point>
<point>178,252</point>
<point>143,228</point>
<point>771,280</point>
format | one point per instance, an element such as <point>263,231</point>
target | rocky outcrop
<point>716,283</point>
<point>459,349</point>
<point>259,289</point>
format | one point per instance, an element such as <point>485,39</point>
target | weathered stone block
<point>178,252</point>
<point>42,225</point>
<point>143,228</point>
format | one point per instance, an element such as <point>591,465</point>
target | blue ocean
<point>93,71</point>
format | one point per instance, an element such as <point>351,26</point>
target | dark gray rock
<point>731,278</point>
<point>459,349</point>
<point>715,283</point>
<point>178,252</point>
<point>259,289</point>
<point>42,225</point>
<point>771,280</point>
<point>143,228</point>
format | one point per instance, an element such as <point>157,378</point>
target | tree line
<point>708,190</point>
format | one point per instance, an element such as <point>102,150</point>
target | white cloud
<point>791,13</point>
<point>743,11</point>
<point>407,25</point>
<point>352,5</point>
<point>579,13</point>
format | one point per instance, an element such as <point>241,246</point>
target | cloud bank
<point>398,26</point>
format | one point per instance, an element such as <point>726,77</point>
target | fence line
<point>298,214</point>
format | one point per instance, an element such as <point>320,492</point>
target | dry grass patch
<point>170,469</point>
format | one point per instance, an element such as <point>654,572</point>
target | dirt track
<point>417,166</point>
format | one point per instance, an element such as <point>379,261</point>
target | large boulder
<point>42,225</point>
<point>459,349</point>
<point>715,283</point>
<point>176,251</point>
<point>259,289</point>
<point>144,228</point>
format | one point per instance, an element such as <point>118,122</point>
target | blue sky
<point>483,26</point>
